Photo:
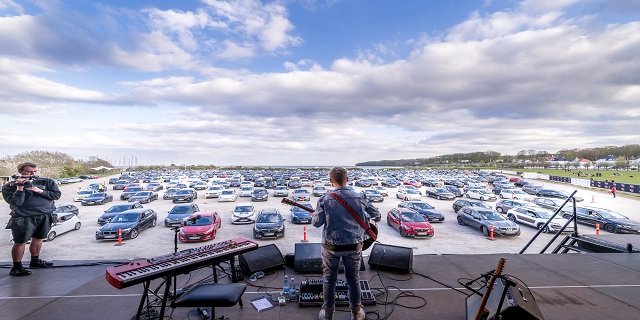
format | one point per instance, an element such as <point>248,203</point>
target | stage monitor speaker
<point>308,258</point>
<point>518,304</point>
<point>263,258</point>
<point>393,258</point>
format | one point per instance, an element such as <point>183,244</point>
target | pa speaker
<point>518,304</point>
<point>393,258</point>
<point>263,258</point>
<point>308,258</point>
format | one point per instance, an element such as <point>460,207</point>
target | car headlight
<point>126,230</point>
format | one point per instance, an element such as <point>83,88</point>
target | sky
<point>315,82</point>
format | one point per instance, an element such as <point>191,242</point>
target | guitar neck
<point>481,310</point>
<point>295,204</point>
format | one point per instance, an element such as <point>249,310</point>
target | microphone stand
<point>176,230</point>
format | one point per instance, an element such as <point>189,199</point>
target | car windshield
<point>300,191</point>
<point>125,217</point>
<point>134,189</point>
<point>119,208</point>
<point>441,190</point>
<point>412,217</point>
<point>371,192</point>
<point>260,191</point>
<point>422,205</point>
<point>200,221</point>
<point>225,192</point>
<point>214,188</point>
<point>491,216</point>
<point>268,218</point>
<point>479,204</point>
<point>99,195</point>
<point>85,192</point>
<point>180,210</point>
<point>171,191</point>
<point>412,191</point>
<point>183,192</point>
<point>143,194</point>
<point>243,209</point>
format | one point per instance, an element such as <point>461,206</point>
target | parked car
<point>294,184</point>
<point>483,219</point>
<point>67,208</point>
<point>120,185</point>
<point>537,217</point>
<point>409,223</point>
<point>199,185</point>
<point>407,194</point>
<point>551,193</point>
<point>453,189</point>
<point>113,180</point>
<point>319,191</point>
<point>115,209</point>
<point>65,222</point>
<point>144,197</point>
<point>548,203</point>
<point>227,195</point>
<point>504,205</point>
<point>131,222</point>
<point>185,195</point>
<point>372,195</point>
<point>246,191</point>
<point>428,211</point>
<point>243,213</point>
<point>168,195</point>
<point>382,190</point>
<point>82,194</point>
<point>300,195</point>
<point>531,188</point>
<point>300,215</point>
<point>97,198</point>
<point>515,194</point>
<point>440,193</point>
<point>213,192</point>
<point>610,221</point>
<point>180,212</point>
<point>154,186</point>
<point>259,194</point>
<point>269,223</point>
<point>480,194</point>
<point>280,191</point>
<point>130,192</point>
<point>391,183</point>
<point>200,226</point>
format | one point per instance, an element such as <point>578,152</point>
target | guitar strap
<point>355,215</point>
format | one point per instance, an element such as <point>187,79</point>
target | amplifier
<point>310,293</point>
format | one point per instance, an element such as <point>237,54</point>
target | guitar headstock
<point>500,266</point>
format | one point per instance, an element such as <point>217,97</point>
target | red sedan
<point>414,183</point>
<point>200,226</point>
<point>409,223</point>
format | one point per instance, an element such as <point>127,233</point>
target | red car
<point>514,179</point>
<point>200,226</point>
<point>409,223</point>
<point>414,183</point>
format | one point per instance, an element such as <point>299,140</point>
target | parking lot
<point>450,238</point>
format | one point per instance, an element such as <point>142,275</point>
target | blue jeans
<point>351,261</point>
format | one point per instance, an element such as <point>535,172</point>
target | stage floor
<point>565,286</point>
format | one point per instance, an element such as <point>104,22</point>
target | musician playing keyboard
<point>342,237</point>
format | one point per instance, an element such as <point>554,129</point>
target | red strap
<point>355,215</point>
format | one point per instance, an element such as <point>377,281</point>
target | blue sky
<point>310,82</point>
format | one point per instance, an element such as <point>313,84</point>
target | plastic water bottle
<point>285,287</point>
<point>292,288</point>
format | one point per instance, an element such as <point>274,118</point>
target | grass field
<point>632,177</point>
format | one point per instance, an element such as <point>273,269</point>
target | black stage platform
<point>602,286</point>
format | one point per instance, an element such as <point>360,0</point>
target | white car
<point>408,194</point>
<point>66,222</point>
<point>246,184</point>
<point>306,182</point>
<point>281,191</point>
<point>475,184</point>
<point>213,192</point>
<point>227,195</point>
<point>481,194</point>
<point>246,191</point>
<point>81,195</point>
<point>243,213</point>
<point>515,194</point>
<point>537,217</point>
<point>383,191</point>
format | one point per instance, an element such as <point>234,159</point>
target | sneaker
<point>358,313</point>
<point>39,264</point>
<point>325,314</point>
<point>19,272</point>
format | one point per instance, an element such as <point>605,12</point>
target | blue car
<point>300,215</point>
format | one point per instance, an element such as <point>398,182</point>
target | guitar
<point>366,244</point>
<point>483,312</point>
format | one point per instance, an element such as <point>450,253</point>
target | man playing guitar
<point>342,237</point>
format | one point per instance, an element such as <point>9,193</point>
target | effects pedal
<point>311,293</point>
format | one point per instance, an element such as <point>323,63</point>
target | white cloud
<point>234,51</point>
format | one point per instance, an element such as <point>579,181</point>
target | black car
<point>179,212</point>
<point>440,193</point>
<point>144,197</point>
<point>531,188</point>
<point>235,183</point>
<point>551,193</point>
<point>269,223</point>
<point>67,208</point>
<point>130,223</point>
<point>294,184</point>
<point>120,184</point>
<point>259,194</point>
<point>97,198</point>
<point>168,195</point>
<point>185,195</point>
<point>373,195</point>
<point>129,192</point>
<point>364,183</point>
<point>390,183</point>
<point>609,220</point>
<point>453,189</point>
<point>115,209</point>
<point>521,183</point>
<point>482,219</point>
<point>154,186</point>
<point>113,180</point>
<point>453,182</point>
<point>547,203</point>
<point>428,211</point>
<point>460,203</point>
<point>270,184</point>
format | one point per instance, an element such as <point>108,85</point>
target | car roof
<point>137,210</point>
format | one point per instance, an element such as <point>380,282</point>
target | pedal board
<point>310,293</point>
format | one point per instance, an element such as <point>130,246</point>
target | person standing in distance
<point>31,200</point>
<point>342,237</point>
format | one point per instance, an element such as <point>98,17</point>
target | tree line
<point>52,164</point>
